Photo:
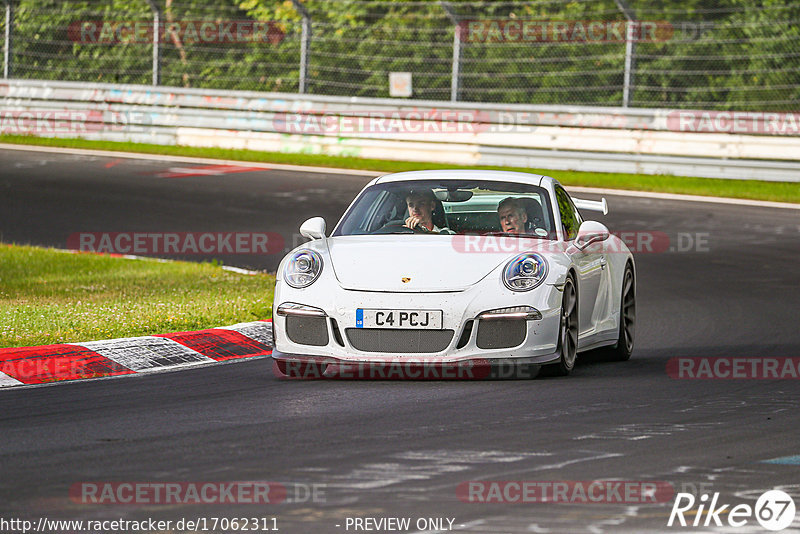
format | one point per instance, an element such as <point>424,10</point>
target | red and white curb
<point>23,366</point>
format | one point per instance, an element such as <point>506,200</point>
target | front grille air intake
<point>399,341</point>
<point>501,334</point>
<point>307,330</point>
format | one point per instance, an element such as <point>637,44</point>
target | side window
<point>570,217</point>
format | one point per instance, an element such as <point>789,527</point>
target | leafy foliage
<point>712,54</point>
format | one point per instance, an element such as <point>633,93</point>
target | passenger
<point>513,217</point>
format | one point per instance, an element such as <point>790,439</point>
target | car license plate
<point>428,319</point>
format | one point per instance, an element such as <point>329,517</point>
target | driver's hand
<point>413,222</point>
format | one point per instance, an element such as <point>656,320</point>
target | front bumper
<point>338,340</point>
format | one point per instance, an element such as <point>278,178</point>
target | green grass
<point>751,189</point>
<point>49,297</point>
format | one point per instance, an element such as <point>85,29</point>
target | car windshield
<point>450,207</point>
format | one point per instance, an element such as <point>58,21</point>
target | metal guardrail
<point>177,97</point>
<point>541,137</point>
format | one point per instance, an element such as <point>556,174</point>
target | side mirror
<point>591,232</point>
<point>314,228</point>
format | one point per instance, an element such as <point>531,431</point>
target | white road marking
<point>381,475</point>
<point>194,170</point>
<point>534,527</point>
<point>7,381</point>
<point>559,465</point>
<point>687,198</point>
<point>239,270</point>
<point>639,431</point>
<point>467,456</point>
<point>615,521</point>
<point>187,159</point>
<point>424,465</point>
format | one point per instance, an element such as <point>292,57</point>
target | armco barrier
<point>550,137</point>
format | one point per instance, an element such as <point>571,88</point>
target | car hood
<point>429,263</point>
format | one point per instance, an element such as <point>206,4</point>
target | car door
<point>590,263</point>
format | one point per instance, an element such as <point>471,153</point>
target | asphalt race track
<point>727,285</point>
<point>46,198</point>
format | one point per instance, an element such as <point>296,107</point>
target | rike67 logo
<point>774,510</point>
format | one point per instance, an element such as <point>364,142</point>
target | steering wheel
<point>398,227</point>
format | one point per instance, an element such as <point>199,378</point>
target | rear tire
<point>627,320</point>
<point>568,332</point>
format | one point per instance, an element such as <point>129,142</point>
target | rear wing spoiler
<point>591,205</point>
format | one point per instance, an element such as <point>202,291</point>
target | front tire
<point>627,319</point>
<point>568,335</point>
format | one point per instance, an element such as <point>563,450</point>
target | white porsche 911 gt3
<point>456,266</point>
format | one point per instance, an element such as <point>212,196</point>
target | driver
<point>421,203</point>
<point>513,217</point>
